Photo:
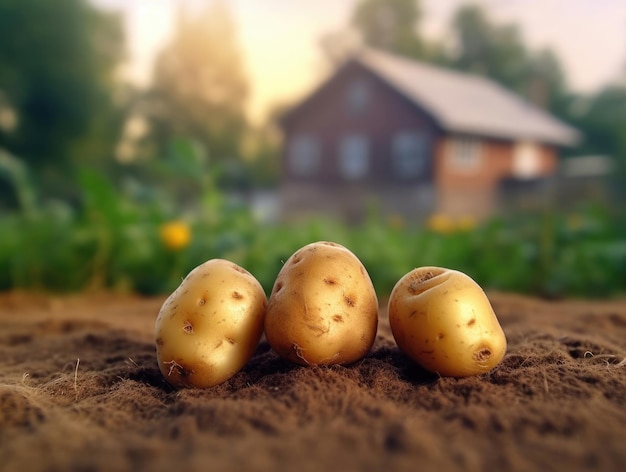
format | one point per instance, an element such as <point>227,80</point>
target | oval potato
<point>210,326</point>
<point>443,320</point>
<point>323,307</point>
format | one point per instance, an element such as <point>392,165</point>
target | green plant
<point>113,240</point>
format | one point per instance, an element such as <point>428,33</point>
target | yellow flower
<point>440,223</point>
<point>175,235</point>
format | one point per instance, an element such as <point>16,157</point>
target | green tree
<point>57,64</point>
<point>602,120</point>
<point>487,49</point>
<point>391,25</point>
<point>546,85</point>
<point>200,87</point>
<point>499,52</point>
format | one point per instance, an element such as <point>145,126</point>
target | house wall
<point>328,117</point>
<point>477,191</point>
<point>549,160</point>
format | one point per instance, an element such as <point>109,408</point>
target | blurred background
<point>140,138</point>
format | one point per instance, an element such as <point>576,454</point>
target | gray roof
<point>465,103</point>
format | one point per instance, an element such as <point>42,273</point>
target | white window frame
<point>354,157</point>
<point>465,154</point>
<point>409,153</point>
<point>304,156</point>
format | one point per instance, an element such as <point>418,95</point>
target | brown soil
<point>80,390</point>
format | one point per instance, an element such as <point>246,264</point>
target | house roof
<point>466,103</point>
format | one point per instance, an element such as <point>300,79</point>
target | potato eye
<point>482,355</point>
<point>187,327</point>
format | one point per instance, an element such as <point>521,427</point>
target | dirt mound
<point>80,389</point>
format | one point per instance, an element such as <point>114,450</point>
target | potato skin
<point>323,307</point>
<point>443,320</point>
<point>210,326</point>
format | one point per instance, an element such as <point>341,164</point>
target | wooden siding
<point>476,192</point>
<point>327,117</point>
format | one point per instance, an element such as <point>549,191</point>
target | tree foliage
<point>499,52</point>
<point>480,47</point>
<point>391,25</point>
<point>602,117</point>
<point>546,83</point>
<point>200,87</point>
<point>57,64</point>
<point>394,26</point>
<point>487,49</point>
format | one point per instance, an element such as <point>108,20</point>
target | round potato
<point>210,326</point>
<point>323,307</point>
<point>442,319</point>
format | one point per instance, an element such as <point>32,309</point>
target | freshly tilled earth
<point>80,389</point>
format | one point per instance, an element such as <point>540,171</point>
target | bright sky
<point>280,38</point>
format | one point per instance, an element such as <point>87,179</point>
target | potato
<point>323,307</point>
<point>208,329</point>
<point>442,319</point>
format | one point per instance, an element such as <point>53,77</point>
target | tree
<point>546,85</point>
<point>57,65</point>
<point>391,25</point>
<point>337,46</point>
<point>499,52</point>
<point>486,49</point>
<point>200,88</point>
<point>602,120</point>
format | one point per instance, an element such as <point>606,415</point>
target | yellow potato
<point>210,326</point>
<point>443,320</point>
<point>323,307</point>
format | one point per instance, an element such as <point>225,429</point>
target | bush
<point>146,241</point>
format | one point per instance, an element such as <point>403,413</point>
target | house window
<point>464,154</point>
<point>354,157</point>
<point>409,154</point>
<point>358,96</point>
<point>526,160</point>
<point>304,156</point>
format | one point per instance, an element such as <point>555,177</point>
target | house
<point>413,139</point>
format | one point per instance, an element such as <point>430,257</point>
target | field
<point>143,239</point>
<point>80,390</point>
<point>80,287</point>
<point>112,191</point>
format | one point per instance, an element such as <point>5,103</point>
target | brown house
<point>413,138</point>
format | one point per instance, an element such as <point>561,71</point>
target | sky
<point>280,38</point>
